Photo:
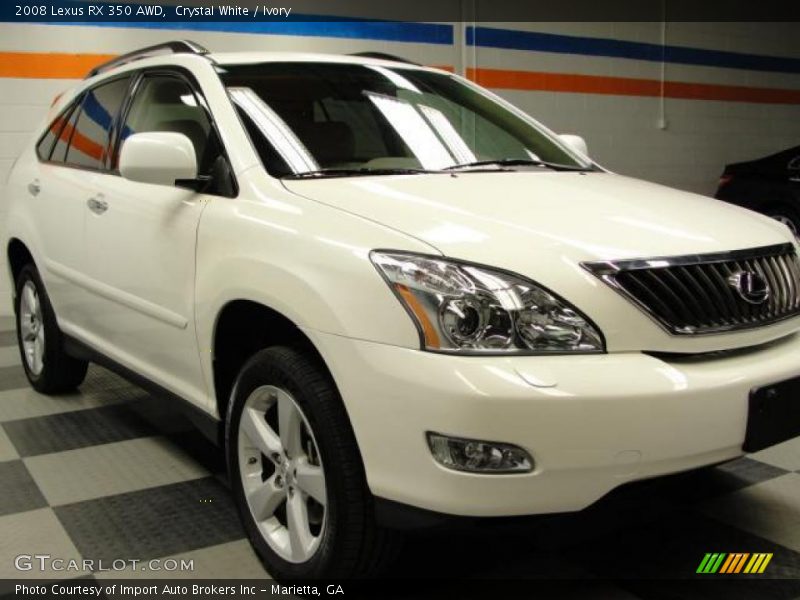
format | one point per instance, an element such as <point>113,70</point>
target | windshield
<point>340,119</point>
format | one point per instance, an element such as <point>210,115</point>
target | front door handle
<point>34,187</point>
<point>97,205</point>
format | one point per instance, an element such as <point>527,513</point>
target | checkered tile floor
<point>112,473</point>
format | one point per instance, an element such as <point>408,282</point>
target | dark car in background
<point>769,185</point>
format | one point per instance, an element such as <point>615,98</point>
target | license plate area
<point>773,415</point>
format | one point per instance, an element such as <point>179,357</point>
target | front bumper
<point>591,422</point>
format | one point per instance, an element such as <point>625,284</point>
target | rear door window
<point>89,142</point>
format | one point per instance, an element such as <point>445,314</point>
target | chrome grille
<point>708,293</point>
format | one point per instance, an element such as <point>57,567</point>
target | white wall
<point>622,131</point>
<point>701,136</point>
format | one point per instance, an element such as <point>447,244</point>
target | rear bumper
<point>591,423</point>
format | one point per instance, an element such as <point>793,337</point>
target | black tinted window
<point>55,132</point>
<point>270,158</point>
<point>165,103</point>
<point>90,140</point>
<point>46,144</point>
<point>62,143</point>
<point>371,117</point>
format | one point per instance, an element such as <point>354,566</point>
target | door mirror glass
<point>575,142</point>
<point>158,157</point>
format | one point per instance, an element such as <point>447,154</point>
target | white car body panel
<point>543,225</point>
<point>145,283</point>
<point>599,422</point>
<point>143,288</point>
<point>292,255</point>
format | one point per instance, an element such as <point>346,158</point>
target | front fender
<point>305,260</point>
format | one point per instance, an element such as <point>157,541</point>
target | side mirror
<point>575,142</point>
<point>158,157</point>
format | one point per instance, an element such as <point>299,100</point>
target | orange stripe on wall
<point>49,65</point>
<point>85,145</point>
<point>626,86</point>
<point>37,65</point>
<point>79,141</point>
<point>60,65</point>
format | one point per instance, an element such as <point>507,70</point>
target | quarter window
<point>45,145</point>
<point>60,149</point>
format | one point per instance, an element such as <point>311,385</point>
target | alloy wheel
<point>282,473</point>
<point>32,328</point>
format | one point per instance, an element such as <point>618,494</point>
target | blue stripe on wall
<point>95,111</point>
<point>386,31</point>
<point>489,37</point>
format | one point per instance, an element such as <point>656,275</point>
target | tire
<point>344,539</point>
<point>48,368</point>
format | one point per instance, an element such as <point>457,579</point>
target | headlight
<point>465,308</point>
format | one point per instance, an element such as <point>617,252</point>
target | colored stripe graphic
<point>509,39</point>
<point>726,565</point>
<point>715,565</point>
<point>764,564</point>
<point>704,563</point>
<point>627,86</point>
<point>758,563</point>
<point>711,562</point>
<point>734,563</point>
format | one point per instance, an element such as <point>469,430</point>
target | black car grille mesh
<point>699,294</point>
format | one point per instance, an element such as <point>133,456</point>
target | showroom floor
<point>111,473</point>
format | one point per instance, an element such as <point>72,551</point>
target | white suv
<point>391,295</point>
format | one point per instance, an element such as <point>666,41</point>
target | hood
<point>484,217</point>
<point>543,225</point>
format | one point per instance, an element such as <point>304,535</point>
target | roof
<point>244,58</point>
<point>172,51</point>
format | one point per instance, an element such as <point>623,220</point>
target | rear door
<point>73,152</point>
<point>141,244</point>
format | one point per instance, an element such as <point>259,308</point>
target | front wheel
<point>48,368</point>
<point>296,472</point>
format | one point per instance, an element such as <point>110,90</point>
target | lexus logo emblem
<point>751,286</point>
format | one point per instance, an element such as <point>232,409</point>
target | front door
<point>141,240</point>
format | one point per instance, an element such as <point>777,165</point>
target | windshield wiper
<point>353,173</point>
<point>517,162</point>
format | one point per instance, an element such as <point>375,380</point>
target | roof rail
<point>384,56</point>
<point>174,47</point>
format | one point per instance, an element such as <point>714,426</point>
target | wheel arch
<point>18,255</point>
<point>242,327</point>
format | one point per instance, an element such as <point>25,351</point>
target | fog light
<point>478,456</point>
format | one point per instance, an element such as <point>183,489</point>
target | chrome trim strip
<point>607,271</point>
<point>606,267</point>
